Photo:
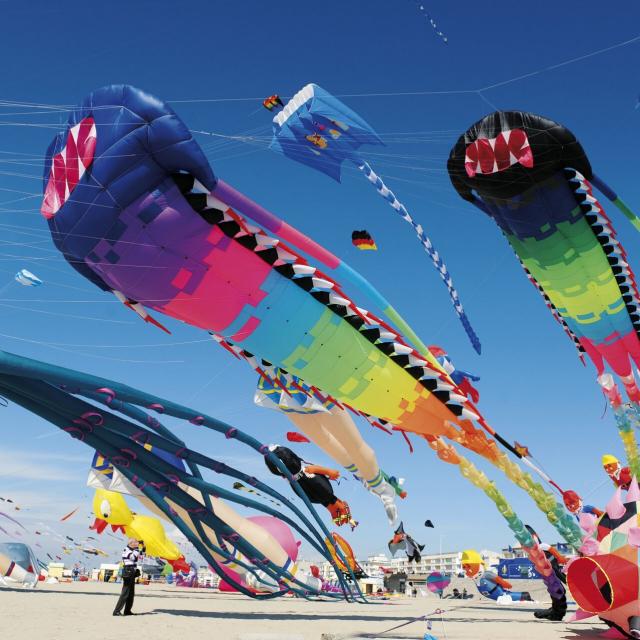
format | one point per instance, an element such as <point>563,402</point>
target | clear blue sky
<point>216,61</point>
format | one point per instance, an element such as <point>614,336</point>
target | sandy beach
<point>77,610</point>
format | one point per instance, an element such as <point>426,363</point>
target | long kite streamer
<point>320,131</point>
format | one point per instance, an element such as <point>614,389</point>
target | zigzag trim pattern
<point>293,266</point>
<point>606,235</point>
<point>554,311</point>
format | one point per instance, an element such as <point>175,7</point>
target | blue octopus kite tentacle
<point>26,367</point>
<point>437,260</point>
<point>216,466</point>
<point>134,469</point>
<point>219,467</point>
<point>119,427</point>
<point>31,369</point>
<point>45,411</point>
<point>102,396</point>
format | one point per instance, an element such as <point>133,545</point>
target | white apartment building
<point>448,562</point>
<point>206,577</point>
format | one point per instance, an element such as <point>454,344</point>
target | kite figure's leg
<point>438,262</point>
<point>314,426</point>
<point>10,569</point>
<point>337,435</point>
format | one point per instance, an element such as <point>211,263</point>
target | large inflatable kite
<point>134,206</point>
<point>533,178</point>
<point>111,508</point>
<point>604,579</point>
<point>18,565</point>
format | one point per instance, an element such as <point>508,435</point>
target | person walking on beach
<point>130,557</point>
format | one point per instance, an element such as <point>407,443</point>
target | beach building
<point>518,552</point>
<point>378,565</point>
<point>207,578</point>
<point>55,569</point>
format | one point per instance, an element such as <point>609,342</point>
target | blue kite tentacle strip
<point>134,469</point>
<point>23,391</point>
<point>17,365</point>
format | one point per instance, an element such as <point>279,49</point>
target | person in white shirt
<point>130,559</point>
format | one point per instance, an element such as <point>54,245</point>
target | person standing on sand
<point>130,558</point>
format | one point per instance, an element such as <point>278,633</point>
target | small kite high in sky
<point>362,240</point>
<point>27,279</point>
<point>69,515</point>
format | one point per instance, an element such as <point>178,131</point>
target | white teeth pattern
<point>416,362</point>
<point>468,414</point>
<point>251,228</point>
<point>285,256</point>
<point>319,283</point>
<point>616,257</point>
<point>402,349</point>
<point>385,334</point>
<point>214,203</point>
<point>429,374</point>
<point>492,143</point>
<point>301,270</point>
<point>334,299</point>
<point>266,241</point>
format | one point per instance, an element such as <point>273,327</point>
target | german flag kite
<point>363,240</point>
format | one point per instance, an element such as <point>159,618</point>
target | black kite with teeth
<point>531,175</point>
<point>505,152</point>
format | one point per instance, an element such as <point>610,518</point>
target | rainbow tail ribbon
<point>474,440</point>
<point>627,418</point>
<point>523,536</point>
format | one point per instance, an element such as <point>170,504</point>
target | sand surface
<point>83,610</point>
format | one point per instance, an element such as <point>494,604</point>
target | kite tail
<point>438,263</point>
<point>523,536</point>
<point>627,418</point>
<point>474,440</point>
<point>431,21</point>
<point>611,195</point>
<point>545,501</point>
